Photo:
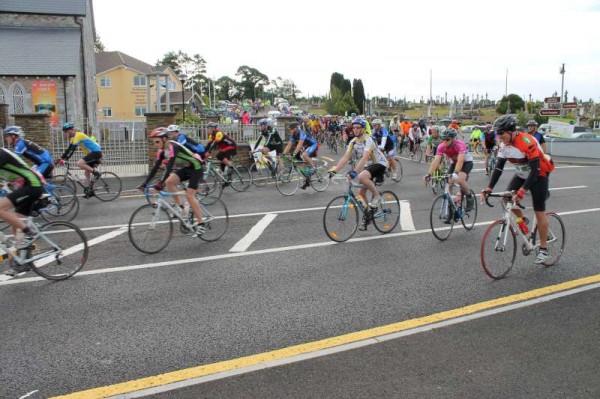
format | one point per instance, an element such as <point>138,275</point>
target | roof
<point>108,60</point>
<point>175,97</point>
<point>50,51</point>
<point>54,7</point>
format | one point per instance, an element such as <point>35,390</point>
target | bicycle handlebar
<point>504,194</point>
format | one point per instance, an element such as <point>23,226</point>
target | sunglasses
<point>157,141</point>
<point>356,127</point>
<point>448,139</point>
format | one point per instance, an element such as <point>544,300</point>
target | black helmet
<point>532,123</point>
<point>293,125</point>
<point>449,133</point>
<point>506,123</point>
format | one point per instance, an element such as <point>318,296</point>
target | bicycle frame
<point>161,201</point>
<point>21,260</point>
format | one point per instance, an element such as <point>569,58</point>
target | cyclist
<point>371,164</point>
<point>532,127</point>
<point>414,137</point>
<point>171,150</point>
<point>533,171</point>
<point>405,126</point>
<point>475,138</point>
<point>27,188</point>
<point>454,125</point>
<point>185,141</point>
<point>40,157</point>
<point>91,149</point>
<point>305,148</point>
<point>347,132</point>
<point>386,143</point>
<point>227,148</point>
<point>433,141</point>
<point>462,164</point>
<point>273,142</point>
<point>490,142</point>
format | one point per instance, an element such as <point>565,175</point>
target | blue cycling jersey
<point>382,133</point>
<point>33,152</point>
<point>190,144</point>
<point>301,135</point>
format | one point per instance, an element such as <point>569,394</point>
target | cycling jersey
<point>272,138</point>
<point>222,141</point>
<point>457,147</point>
<point>490,138</point>
<point>301,135</point>
<point>476,134</point>
<point>84,142</point>
<point>32,151</point>
<point>539,137</point>
<point>523,149</point>
<point>366,143</point>
<point>433,142</point>
<point>190,144</point>
<point>174,152</point>
<point>12,167</point>
<point>383,138</point>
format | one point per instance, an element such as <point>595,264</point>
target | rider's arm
<point>434,164</point>
<point>497,172</point>
<point>299,146</point>
<point>152,173</point>
<point>460,160</point>
<point>287,148</point>
<point>69,151</point>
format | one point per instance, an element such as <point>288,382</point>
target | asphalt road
<point>129,316</point>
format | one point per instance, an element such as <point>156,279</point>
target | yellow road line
<point>252,360</point>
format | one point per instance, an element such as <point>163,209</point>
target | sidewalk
<point>575,161</point>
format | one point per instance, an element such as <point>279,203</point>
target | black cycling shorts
<point>191,174</point>
<point>93,158</point>
<point>376,170</point>
<point>539,191</point>
<point>24,198</point>
<point>278,148</point>
<point>226,154</point>
<point>467,168</point>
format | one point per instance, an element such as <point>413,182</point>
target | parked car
<point>584,135</point>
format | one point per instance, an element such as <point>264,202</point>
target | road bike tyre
<point>469,218</point>
<point>557,237</point>
<point>74,251</point>
<point>340,219</point>
<point>64,205</point>
<point>387,215</point>
<point>319,181</point>
<point>210,188</point>
<point>433,184</point>
<point>334,147</point>
<point>288,180</point>
<point>494,266</point>
<point>418,153</point>
<point>65,180</point>
<point>437,216</point>
<point>241,178</point>
<point>398,170</point>
<point>150,228</point>
<point>261,174</point>
<point>108,186</point>
<point>219,223</point>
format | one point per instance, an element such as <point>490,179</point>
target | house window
<point>105,82</point>
<point>140,111</point>
<point>139,81</point>
<point>107,112</point>
<point>171,84</point>
<point>17,101</point>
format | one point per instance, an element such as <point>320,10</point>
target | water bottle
<point>523,225</point>
<point>186,210</point>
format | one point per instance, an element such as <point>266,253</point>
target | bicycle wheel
<point>217,218</point>
<point>398,172</point>
<point>67,250</point>
<point>108,186</point>
<point>319,181</point>
<point>468,219</point>
<point>261,174</point>
<point>340,219</point>
<point>63,206</point>
<point>210,188</point>
<point>557,236</point>
<point>241,178</point>
<point>288,180</point>
<point>498,249</point>
<point>387,215</point>
<point>150,228</point>
<point>65,180</point>
<point>441,218</point>
<point>417,153</point>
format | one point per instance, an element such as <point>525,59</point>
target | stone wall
<point>3,115</point>
<point>36,128</point>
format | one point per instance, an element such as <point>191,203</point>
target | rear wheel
<point>387,215</point>
<point>397,174</point>
<point>557,236</point>
<point>63,206</point>
<point>320,180</point>
<point>469,217</point>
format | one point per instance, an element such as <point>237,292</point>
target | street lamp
<point>182,77</point>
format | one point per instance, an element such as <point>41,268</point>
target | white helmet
<point>173,128</point>
<point>376,122</point>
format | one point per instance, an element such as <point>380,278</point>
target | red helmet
<point>159,132</point>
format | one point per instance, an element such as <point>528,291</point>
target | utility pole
<point>562,86</point>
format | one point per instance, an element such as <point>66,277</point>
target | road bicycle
<point>59,251</point>
<point>342,215</point>
<point>492,159</point>
<point>150,227</point>
<point>106,187</point>
<point>499,242</point>
<point>292,174</point>
<point>214,179</point>
<point>263,170</point>
<point>436,181</point>
<point>394,175</point>
<point>447,209</point>
<point>333,138</point>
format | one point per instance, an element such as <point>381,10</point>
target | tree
<point>338,81</point>
<point>339,104</point>
<point>194,67</point>
<point>227,88</point>
<point>510,104</point>
<point>98,45</point>
<point>358,94</point>
<point>250,79</point>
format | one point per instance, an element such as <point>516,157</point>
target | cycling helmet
<point>449,133</point>
<point>506,123</point>
<point>353,114</point>
<point>376,122</point>
<point>294,125</point>
<point>360,122</point>
<point>173,128</point>
<point>532,123</point>
<point>160,132</point>
<point>68,126</point>
<point>263,122</point>
<point>212,124</point>
<point>16,130</point>
<point>406,118</point>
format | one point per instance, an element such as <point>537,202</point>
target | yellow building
<point>127,87</point>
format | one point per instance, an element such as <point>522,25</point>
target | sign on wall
<point>43,93</point>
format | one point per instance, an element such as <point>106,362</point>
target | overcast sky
<point>391,45</point>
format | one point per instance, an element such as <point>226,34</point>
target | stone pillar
<point>283,121</point>
<point>3,115</point>
<point>36,128</point>
<point>154,120</point>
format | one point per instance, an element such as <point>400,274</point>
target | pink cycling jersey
<point>457,147</point>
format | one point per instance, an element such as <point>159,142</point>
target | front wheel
<point>261,174</point>
<point>288,180</point>
<point>63,206</point>
<point>498,249</point>
<point>150,228</point>
<point>241,178</point>
<point>108,186</point>
<point>67,250</point>
<point>397,174</point>
<point>441,217</point>
<point>557,236</point>
<point>387,214</point>
<point>340,219</point>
